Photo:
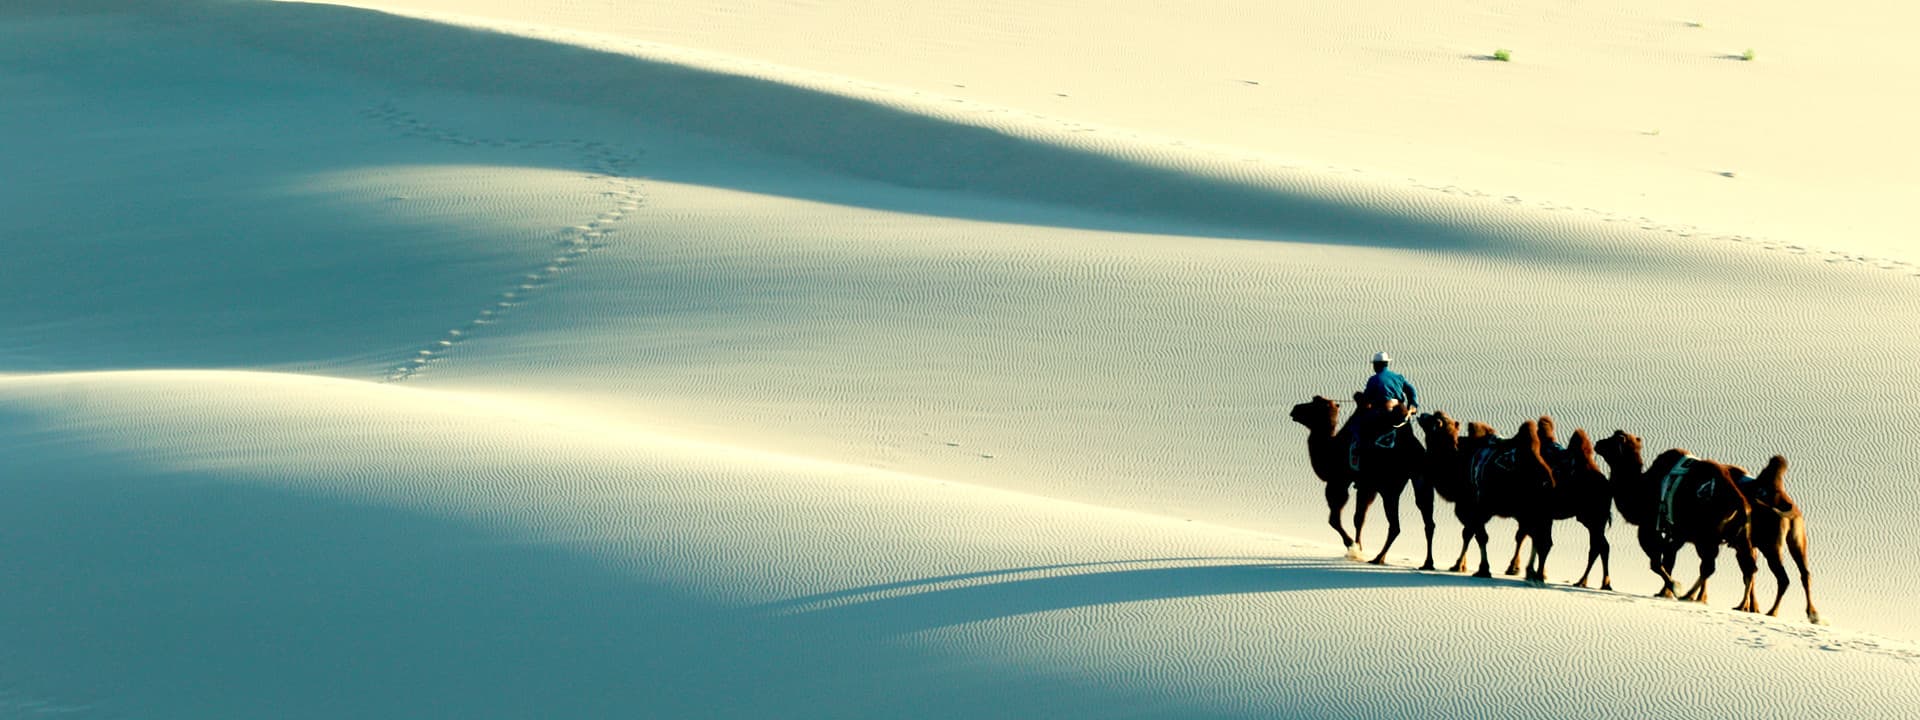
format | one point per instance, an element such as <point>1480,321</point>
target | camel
<point>1486,476</point>
<point>1580,492</point>
<point>1776,520</point>
<point>1677,500</point>
<point>1368,467</point>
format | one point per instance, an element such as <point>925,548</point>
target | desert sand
<point>426,358</point>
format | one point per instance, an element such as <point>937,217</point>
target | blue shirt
<point>1389,385</point>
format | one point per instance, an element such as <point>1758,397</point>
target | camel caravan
<point>1533,479</point>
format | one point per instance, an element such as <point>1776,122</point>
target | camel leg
<point>1597,549</point>
<point>1779,568</point>
<point>1423,499</point>
<point>1659,559</point>
<point>1391,499</point>
<point>1336,500</point>
<point>1519,544</point>
<point>1742,544</point>
<point>1360,507</point>
<point>1797,546</point>
<point>1709,557</point>
<point>1466,545</point>
<point>1486,565</point>
<point>1542,546</point>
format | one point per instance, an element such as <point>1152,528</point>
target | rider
<point>1387,389</point>
<point>1379,416</point>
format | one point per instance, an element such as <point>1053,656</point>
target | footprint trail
<point>602,162</point>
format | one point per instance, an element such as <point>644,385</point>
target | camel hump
<point>1666,461</point>
<point>1774,480</point>
<point>1581,443</point>
<point>1546,429</point>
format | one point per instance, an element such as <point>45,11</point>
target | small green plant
<point>1747,56</point>
<point>1505,55</point>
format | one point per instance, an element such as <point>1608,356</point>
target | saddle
<point>1388,439</point>
<point>1670,488</point>
<point>1491,456</point>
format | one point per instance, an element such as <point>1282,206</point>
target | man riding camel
<point>1387,389</point>
<point>1385,405</point>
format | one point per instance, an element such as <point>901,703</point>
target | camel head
<point>1317,414</point>
<point>1438,423</point>
<point>1620,447</point>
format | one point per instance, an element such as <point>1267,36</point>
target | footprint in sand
<point>603,163</point>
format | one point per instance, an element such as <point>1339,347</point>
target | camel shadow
<point>906,607</point>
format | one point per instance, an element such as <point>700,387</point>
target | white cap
<point>1382,357</point>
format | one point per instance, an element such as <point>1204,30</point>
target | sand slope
<point>277,539</point>
<point>450,373</point>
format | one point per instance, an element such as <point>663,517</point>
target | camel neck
<point>1625,476</point>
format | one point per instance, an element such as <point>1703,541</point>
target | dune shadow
<point>897,608</point>
<point>837,134</point>
<point>131,594</point>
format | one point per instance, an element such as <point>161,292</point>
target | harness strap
<point>1669,490</point>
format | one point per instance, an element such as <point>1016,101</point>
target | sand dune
<point>367,364</point>
<point>277,538</point>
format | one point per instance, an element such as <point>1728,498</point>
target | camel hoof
<point>1512,571</point>
<point>1462,567</point>
<point>1353,552</point>
<point>1428,566</point>
<point>1667,594</point>
<point>1606,585</point>
<point>1814,617</point>
<point>1484,573</point>
<point>1377,561</point>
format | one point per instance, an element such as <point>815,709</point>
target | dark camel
<point>1680,499</point>
<point>1580,492</point>
<point>1776,521</point>
<point>1371,469</point>
<point>1486,476</point>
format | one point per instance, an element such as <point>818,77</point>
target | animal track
<point>601,161</point>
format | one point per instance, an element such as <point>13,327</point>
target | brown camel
<point>1776,520</point>
<point>1381,465</point>
<point>1580,492</point>
<point>1680,499</point>
<point>1486,476</point>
